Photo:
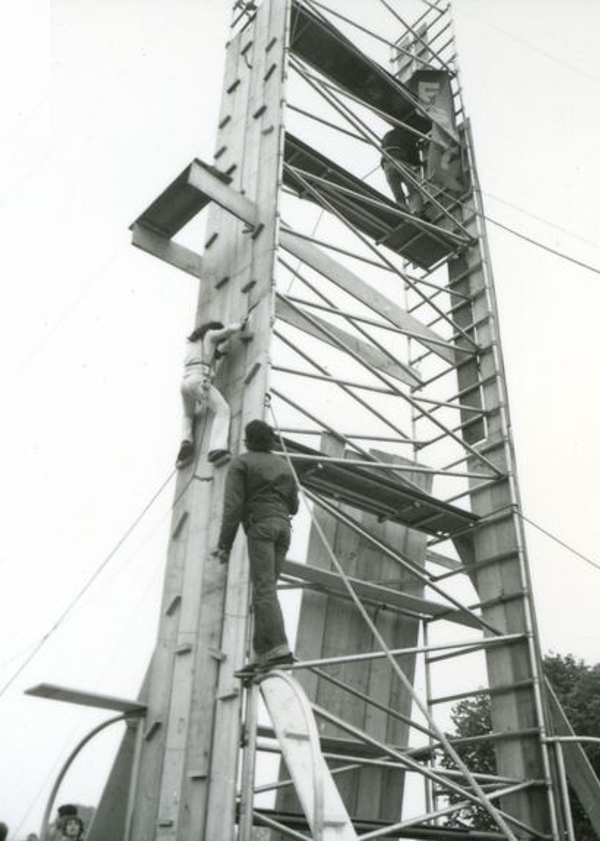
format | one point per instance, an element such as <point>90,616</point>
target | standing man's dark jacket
<point>259,485</point>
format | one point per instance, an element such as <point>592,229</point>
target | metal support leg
<point>248,766</point>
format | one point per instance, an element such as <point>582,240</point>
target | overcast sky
<point>104,104</point>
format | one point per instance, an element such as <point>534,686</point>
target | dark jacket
<point>258,485</point>
<point>401,144</point>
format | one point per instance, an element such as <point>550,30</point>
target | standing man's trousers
<point>268,542</point>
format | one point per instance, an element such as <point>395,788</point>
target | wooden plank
<point>363,292</point>
<point>207,183</point>
<point>382,595</point>
<point>86,699</point>
<point>174,208</point>
<point>332,627</point>
<point>309,644</point>
<point>318,42</point>
<point>332,335</point>
<point>165,249</point>
<point>381,792</point>
<point>298,736</point>
<point>443,560</point>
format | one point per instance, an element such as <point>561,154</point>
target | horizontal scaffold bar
<point>382,465</point>
<point>280,820</point>
<point>332,583</point>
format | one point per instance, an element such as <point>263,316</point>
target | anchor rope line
<point>477,794</point>
<point>556,539</point>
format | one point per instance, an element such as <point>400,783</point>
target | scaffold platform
<point>362,206</point>
<point>379,492</point>
<point>327,50</point>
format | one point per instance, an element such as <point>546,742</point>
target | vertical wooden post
<point>190,751</point>
<point>503,586</point>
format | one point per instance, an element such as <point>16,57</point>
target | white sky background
<point>94,123</point>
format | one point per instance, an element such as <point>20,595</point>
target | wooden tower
<point>374,350</point>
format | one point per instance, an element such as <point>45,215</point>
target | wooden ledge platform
<point>179,202</point>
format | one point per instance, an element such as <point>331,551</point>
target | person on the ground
<point>205,347</point>
<point>261,493</point>
<point>65,813</point>
<point>400,144</point>
<point>3,831</point>
<point>72,828</point>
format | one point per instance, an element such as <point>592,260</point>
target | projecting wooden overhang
<point>378,492</point>
<point>313,176</point>
<point>178,203</point>
<point>372,213</point>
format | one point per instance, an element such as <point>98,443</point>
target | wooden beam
<point>205,181</point>
<point>165,249</point>
<point>442,560</point>
<point>363,292</point>
<point>320,329</point>
<point>298,737</point>
<point>85,699</point>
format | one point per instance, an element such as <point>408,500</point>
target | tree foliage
<point>577,687</point>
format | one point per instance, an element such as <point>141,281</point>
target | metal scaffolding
<point>375,353</point>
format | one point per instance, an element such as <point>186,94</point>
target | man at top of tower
<point>401,145</point>
<point>261,493</point>
<point>205,347</point>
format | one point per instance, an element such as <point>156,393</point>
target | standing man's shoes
<point>281,660</point>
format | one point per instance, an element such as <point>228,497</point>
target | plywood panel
<point>330,626</point>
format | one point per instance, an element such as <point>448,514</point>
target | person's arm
<point>216,336</point>
<point>233,504</point>
<point>294,502</point>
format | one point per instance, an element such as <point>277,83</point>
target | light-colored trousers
<point>195,396</point>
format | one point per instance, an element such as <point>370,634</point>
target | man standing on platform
<point>401,145</point>
<point>261,493</point>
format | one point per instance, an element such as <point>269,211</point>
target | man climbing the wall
<point>205,348</point>
<point>261,493</point>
